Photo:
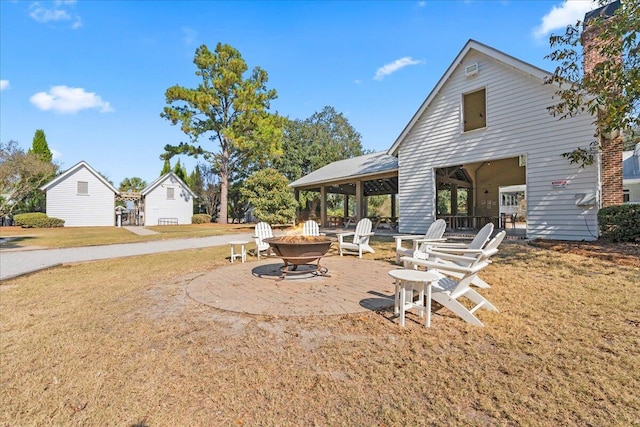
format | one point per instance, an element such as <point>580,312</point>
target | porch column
<point>323,206</point>
<point>454,199</point>
<point>393,206</point>
<point>359,201</point>
<point>345,202</point>
<point>296,194</point>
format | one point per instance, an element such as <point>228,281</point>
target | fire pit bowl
<point>300,250</point>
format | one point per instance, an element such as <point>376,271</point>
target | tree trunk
<point>224,194</point>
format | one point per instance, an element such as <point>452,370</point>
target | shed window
<point>83,188</point>
<point>170,193</point>
<point>474,110</point>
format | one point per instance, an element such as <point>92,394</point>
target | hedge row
<point>36,220</point>
<point>201,219</point>
<point>620,223</point>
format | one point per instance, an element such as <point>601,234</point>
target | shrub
<point>201,219</point>
<point>620,223</point>
<point>269,193</point>
<point>37,220</point>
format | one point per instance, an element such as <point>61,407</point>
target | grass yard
<point>67,237</point>
<point>119,342</point>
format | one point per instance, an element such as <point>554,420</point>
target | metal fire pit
<point>301,250</point>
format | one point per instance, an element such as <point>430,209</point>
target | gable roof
<point>502,57</point>
<point>149,188</point>
<point>353,168</point>
<point>73,169</point>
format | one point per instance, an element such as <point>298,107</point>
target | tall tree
<point>325,137</point>
<point>134,184</point>
<point>229,109</point>
<point>20,175</point>
<point>166,167</point>
<point>179,170</point>
<point>611,91</point>
<point>210,194</point>
<point>40,147</point>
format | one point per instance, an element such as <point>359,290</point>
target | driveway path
<point>17,263</point>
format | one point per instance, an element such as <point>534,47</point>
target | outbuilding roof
<point>73,169</point>
<point>149,188</point>
<point>355,168</point>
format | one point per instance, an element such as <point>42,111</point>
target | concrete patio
<point>355,285</point>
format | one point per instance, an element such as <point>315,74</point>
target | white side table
<point>406,281</point>
<point>243,250</point>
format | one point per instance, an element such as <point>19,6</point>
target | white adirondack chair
<point>360,241</point>
<point>471,249</point>
<point>262,231</point>
<point>310,228</point>
<point>434,234</point>
<point>448,291</point>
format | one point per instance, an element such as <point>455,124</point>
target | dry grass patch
<point>68,237</point>
<point>119,342</point>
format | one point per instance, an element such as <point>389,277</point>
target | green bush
<point>201,219</point>
<point>37,220</point>
<point>620,223</point>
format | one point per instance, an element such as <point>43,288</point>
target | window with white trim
<point>474,110</point>
<point>83,188</point>
<point>171,193</point>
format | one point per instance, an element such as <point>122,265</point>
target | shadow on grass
<point>14,242</point>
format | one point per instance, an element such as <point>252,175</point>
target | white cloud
<point>55,154</point>
<point>4,84</point>
<point>190,35</point>
<point>69,100</point>
<point>53,12</point>
<point>422,3</point>
<point>396,65</point>
<point>568,13</point>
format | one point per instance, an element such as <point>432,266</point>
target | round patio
<point>355,285</point>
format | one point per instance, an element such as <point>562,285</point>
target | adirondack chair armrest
<point>444,268</point>
<point>434,241</point>
<point>450,245</point>
<point>367,234</point>
<point>406,237</point>
<point>346,233</point>
<point>450,257</point>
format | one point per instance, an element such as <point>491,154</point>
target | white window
<point>83,188</point>
<point>170,193</point>
<point>474,110</point>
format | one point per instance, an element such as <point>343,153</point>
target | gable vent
<point>471,70</point>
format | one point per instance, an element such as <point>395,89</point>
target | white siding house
<point>168,200</point>
<point>81,197</point>
<point>512,122</point>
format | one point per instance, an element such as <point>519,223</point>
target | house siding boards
<point>93,209</point>
<point>158,206</point>
<point>517,123</point>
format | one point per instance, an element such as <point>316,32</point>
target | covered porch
<point>354,181</point>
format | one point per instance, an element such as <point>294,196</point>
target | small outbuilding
<point>81,197</point>
<point>168,200</point>
<point>84,198</point>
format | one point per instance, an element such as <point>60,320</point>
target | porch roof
<point>364,167</point>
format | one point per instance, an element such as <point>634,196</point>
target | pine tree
<point>40,146</point>
<point>180,171</point>
<point>166,168</point>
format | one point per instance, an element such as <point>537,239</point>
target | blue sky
<point>92,74</point>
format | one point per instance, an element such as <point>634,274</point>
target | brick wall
<point>611,170</point>
<point>611,149</point>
